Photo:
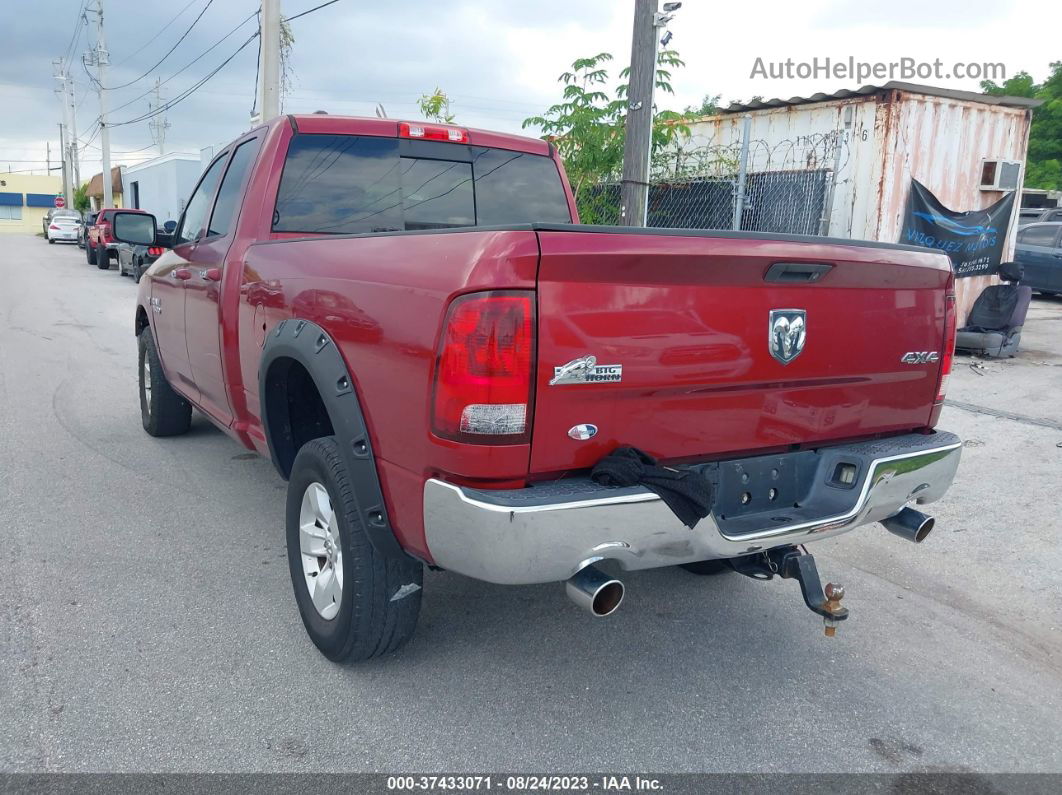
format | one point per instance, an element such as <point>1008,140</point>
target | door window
<point>194,222</point>
<point>232,188</point>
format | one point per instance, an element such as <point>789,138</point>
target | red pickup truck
<point>409,321</point>
<point>99,240</point>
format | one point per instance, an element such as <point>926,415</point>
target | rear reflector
<point>948,355</point>
<point>483,373</point>
<point>432,132</point>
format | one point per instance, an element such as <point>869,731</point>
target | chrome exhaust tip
<point>910,524</point>
<point>595,591</point>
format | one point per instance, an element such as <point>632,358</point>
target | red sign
<point>60,202</point>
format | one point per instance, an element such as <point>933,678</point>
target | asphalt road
<point>147,621</point>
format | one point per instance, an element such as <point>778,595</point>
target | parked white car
<point>63,226</point>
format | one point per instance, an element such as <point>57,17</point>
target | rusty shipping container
<point>873,141</point>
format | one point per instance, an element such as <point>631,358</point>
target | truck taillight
<point>105,231</point>
<point>154,251</point>
<point>432,132</point>
<point>948,354</point>
<point>483,372</point>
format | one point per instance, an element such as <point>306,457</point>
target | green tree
<point>587,127</point>
<point>709,107</point>
<point>81,198</point>
<point>1043,167</point>
<point>436,107</point>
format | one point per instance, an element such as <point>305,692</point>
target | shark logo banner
<point>974,239</point>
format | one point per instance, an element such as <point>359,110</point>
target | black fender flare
<point>312,347</point>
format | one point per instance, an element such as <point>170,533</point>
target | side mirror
<point>136,228</point>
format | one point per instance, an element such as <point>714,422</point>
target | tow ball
<point>791,563</point>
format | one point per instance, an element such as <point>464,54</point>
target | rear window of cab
<point>348,184</point>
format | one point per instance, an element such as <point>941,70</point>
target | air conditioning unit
<point>1000,174</point>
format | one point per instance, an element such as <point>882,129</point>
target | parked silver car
<point>63,225</point>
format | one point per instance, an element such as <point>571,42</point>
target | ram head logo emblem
<point>788,332</point>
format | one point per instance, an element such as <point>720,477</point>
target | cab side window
<point>195,216</point>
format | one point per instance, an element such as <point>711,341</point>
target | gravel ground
<point>147,622</point>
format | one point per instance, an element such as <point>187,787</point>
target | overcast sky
<point>497,59</point>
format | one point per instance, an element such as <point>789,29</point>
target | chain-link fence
<point>786,187</point>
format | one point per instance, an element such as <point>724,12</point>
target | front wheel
<point>354,603</point>
<point>162,411</point>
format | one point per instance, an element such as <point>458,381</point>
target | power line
<point>310,10</point>
<point>191,90</point>
<point>164,27</point>
<point>196,86</point>
<point>194,60</point>
<point>168,52</point>
<point>79,25</point>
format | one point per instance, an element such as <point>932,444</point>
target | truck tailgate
<point>681,330</point>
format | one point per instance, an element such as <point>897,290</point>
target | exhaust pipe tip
<point>595,591</point>
<point>910,524</point>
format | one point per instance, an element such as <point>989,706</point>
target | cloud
<point>497,59</point>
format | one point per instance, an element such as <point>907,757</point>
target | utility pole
<point>269,61</point>
<point>66,94</point>
<point>159,123</point>
<point>100,58</point>
<point>48,157</point>
<point>637,144</point>
<point>60,74</point>
<point>66,170</point>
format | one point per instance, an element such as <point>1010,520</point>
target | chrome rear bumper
<point>548,532</point>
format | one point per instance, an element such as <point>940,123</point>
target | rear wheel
<point>103,259</point>
<point>162,411</point>
<point>90,253</point>
<point>138,269</point>
<point>355,603</point>
<point>50,240</point>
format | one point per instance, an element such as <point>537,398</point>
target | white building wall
<point>164,184</point>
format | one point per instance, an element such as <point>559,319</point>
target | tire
<point>707,568</point>
<point>362,618</point>
<point>138,270</point>
<point>103,259</point>
<point>90,253</point>
<point>50,241</point>
<point>162,411</point>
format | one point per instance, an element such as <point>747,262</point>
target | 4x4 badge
<point>788,332</point>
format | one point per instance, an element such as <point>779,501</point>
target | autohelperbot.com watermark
<point>850,68</point>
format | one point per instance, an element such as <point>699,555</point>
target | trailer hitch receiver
<point>791,563</point>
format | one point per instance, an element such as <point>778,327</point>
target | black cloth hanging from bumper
<point>684,491</point>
